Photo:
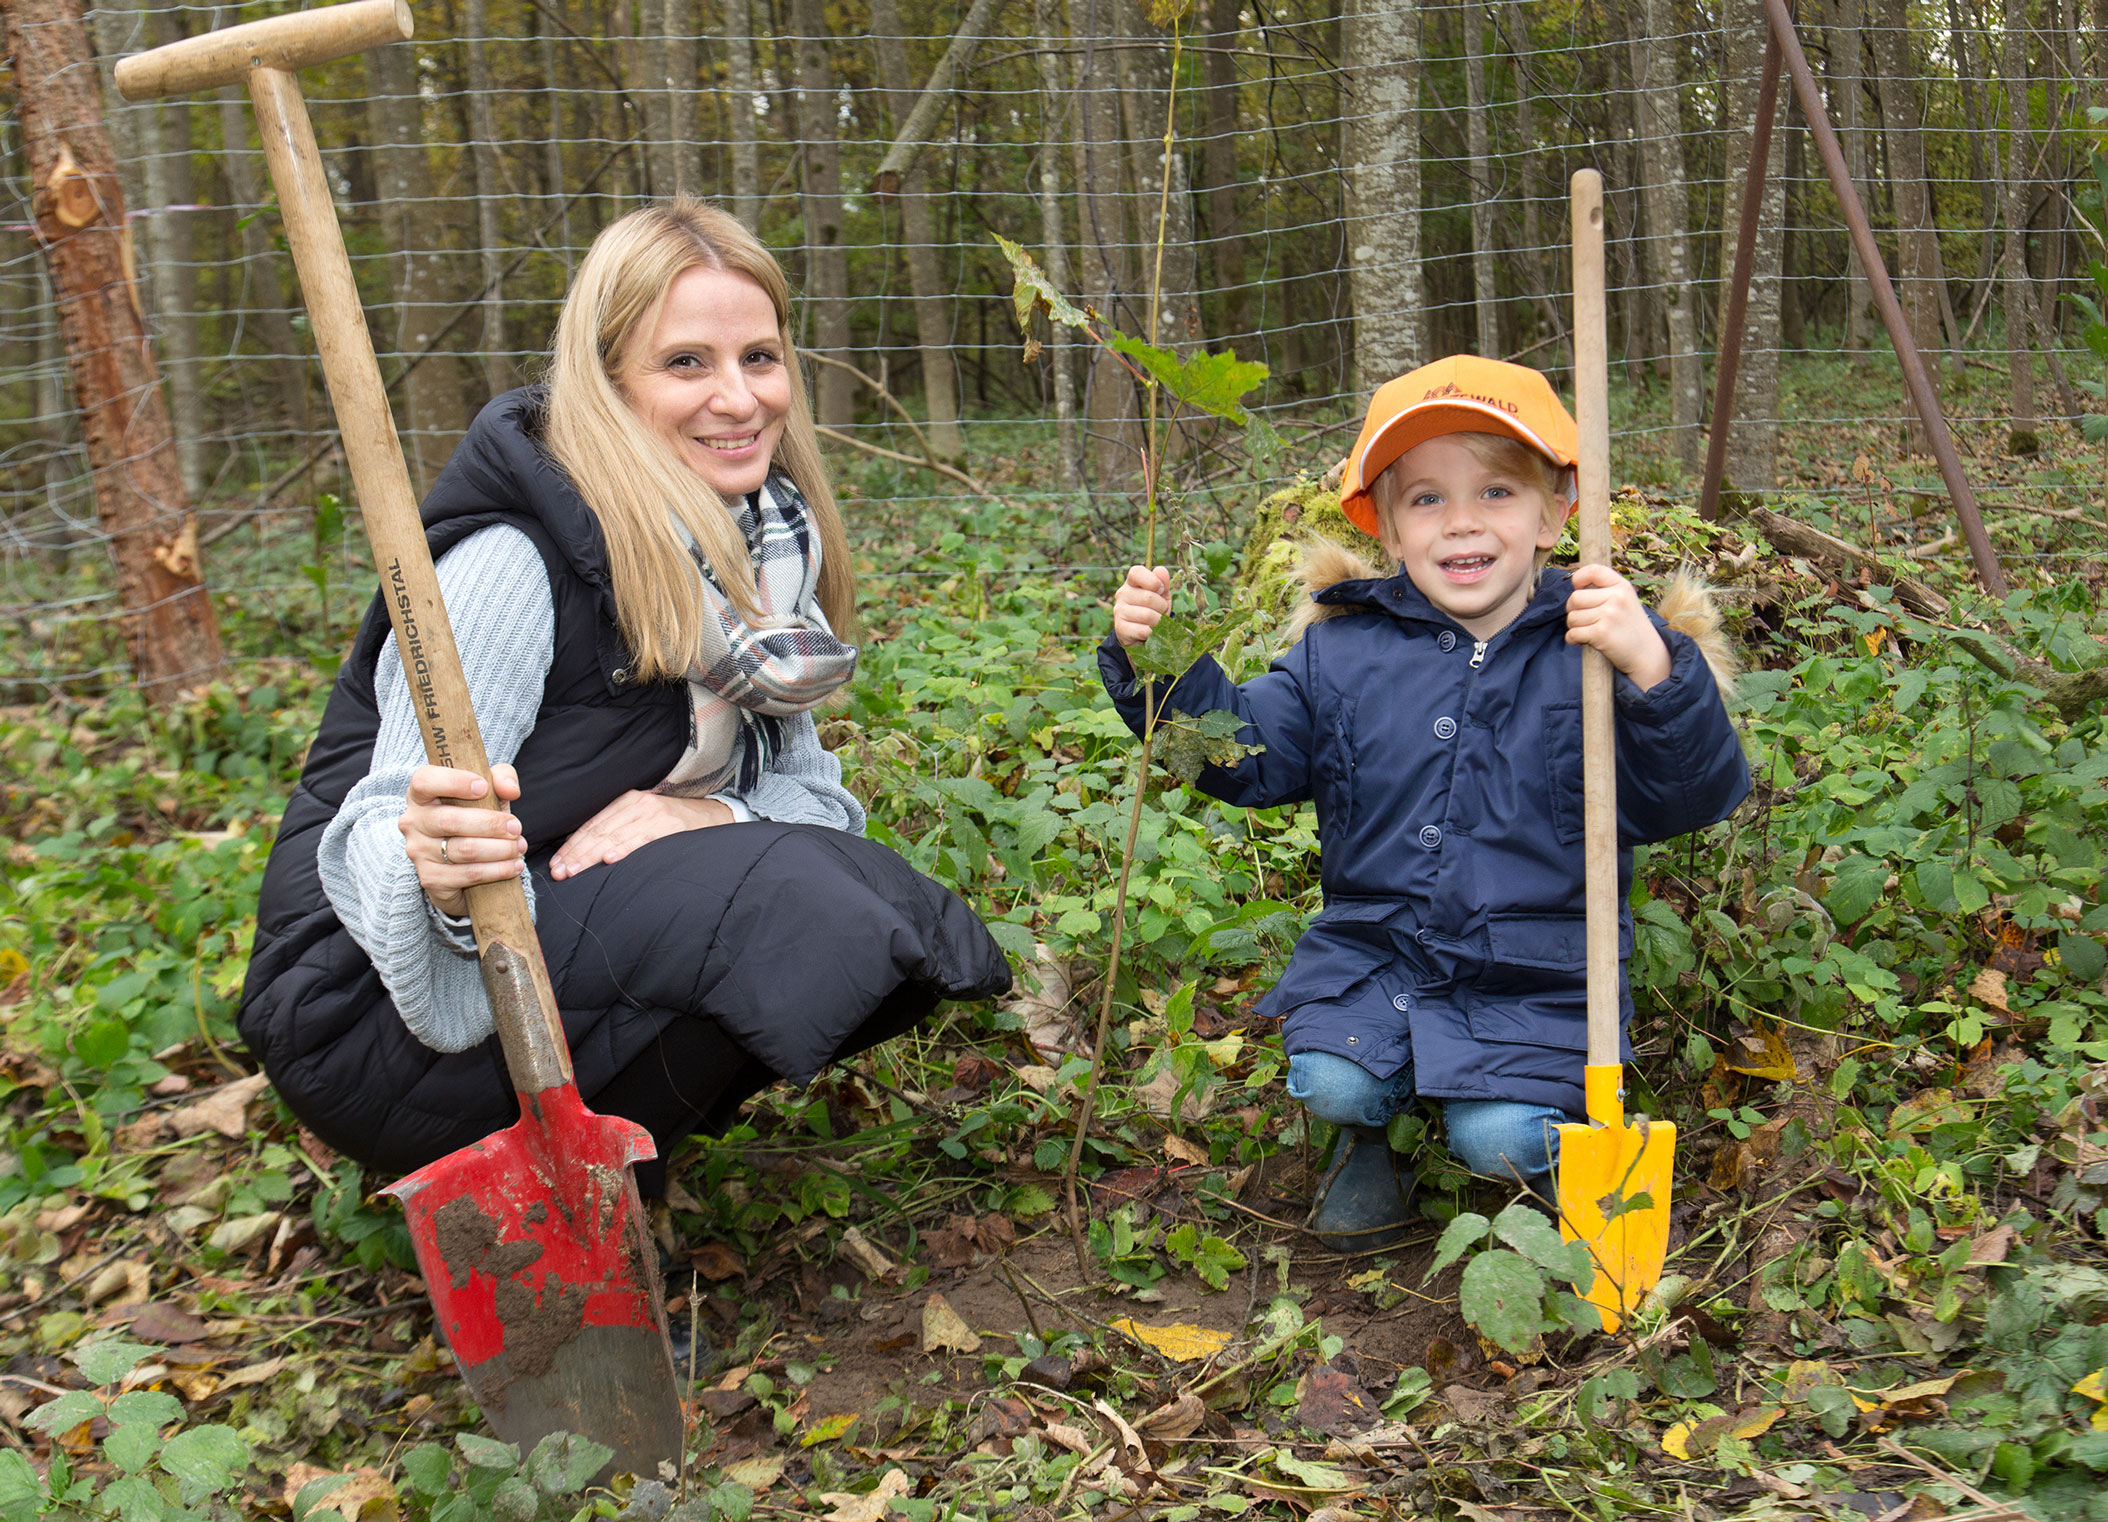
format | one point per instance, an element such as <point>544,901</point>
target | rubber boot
<point>1365,1199</point>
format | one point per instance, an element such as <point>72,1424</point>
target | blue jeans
<point>1501,1138</point>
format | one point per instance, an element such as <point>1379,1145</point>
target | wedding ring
<point>442,851</point>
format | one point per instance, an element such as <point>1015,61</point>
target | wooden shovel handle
<point>293,41</point>
<point>1598,736</point>
<point>522,1001</point>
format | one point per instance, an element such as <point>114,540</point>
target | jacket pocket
<point>1562,770</point>
<point>1534,991</point>
<point>1547,941</point>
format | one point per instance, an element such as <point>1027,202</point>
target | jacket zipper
<point>1478,653</point>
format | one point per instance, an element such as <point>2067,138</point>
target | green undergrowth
<point>1872,1001</point>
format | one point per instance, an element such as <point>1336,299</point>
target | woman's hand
<point>454,844</point>
<point>635,819</point>
<point>1605,611</point>
<point>1143,599</point>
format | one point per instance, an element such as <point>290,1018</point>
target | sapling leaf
<point>1210,383</point>
<point>1031,291</point>
<point>1465,1230</point>
<point>205,1459</point>
<point>109,1359</point>
<point>1502,1295</point>
<point>1530,1234</point>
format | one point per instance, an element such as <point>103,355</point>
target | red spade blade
<point>538,1258</point>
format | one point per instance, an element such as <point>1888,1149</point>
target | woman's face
<point>711,378</point>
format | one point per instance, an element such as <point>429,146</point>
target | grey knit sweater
<point>498,601</point>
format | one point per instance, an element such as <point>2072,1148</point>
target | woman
<point>649,584</point>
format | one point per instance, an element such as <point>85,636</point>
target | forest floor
<point>1873,1002</point>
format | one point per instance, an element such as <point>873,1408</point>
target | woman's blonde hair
<point>633,480</point>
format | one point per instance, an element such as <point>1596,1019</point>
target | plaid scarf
<point>747,682</point>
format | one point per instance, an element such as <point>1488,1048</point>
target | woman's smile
<point>713,378</point>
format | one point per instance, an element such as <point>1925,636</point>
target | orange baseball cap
<point>1461,394</point>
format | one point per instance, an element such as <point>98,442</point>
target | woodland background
<point>1875,1001</point>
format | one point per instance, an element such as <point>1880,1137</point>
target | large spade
<point>533,1242</point>
<point>1614,1173</point>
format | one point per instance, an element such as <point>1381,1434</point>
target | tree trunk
<point>553,83</point>
<point>1848,97</point>
<point>1918,273</point>
<point>1479,139</point>
<point>2020,358</point>
<point>1170,273</point>
<point>431,393</point>
<point>1977,128</point>
<point>489,179</point>
<point>1225,234</point>
<point>1660,110</point>
<point>738,22</point>
<point>1105,276</point>
<point>79,204</point>
<point>1054,240</point>
<point>1752,450</point>
<point>826,259</point>
<point>1381,75</point>
<point>918,236</point>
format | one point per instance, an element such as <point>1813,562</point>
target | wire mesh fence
<point>1350,186</point>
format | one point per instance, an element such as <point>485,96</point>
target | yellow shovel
<point>1614,1176</point>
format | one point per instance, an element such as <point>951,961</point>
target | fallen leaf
<point>1988,988</point>
<point>1156,1095</point>
<point>717,1262</point>
<point>827,1429</point>
<point>158,1321</point>
<point>1182,1341</point>
<point>757,1473</point>
<point>1043,1013</point>
<point>1991,1247</point>
<point>348,1499</point>
<point>1037,1076</point>
<point>942,1330</point>
<point>1071,1438</point>
<point>125,1282</point>
<point>244,1233</point>
<point>870,1506</point>
<point>251,1374</point>
<point>1131,1438</point>
<point>225,1109</point>
<point>1763,1053</point>
<point>1185,1151</point>
<point>1179,1418</point>
<point>1329,1401</point>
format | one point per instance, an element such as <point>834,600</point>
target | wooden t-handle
<point>294,41</point>
<point>1598,735</point>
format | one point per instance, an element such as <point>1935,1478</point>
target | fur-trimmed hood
<point>1687,606</point>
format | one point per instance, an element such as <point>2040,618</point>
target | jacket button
<point>1354,1041</point>
<point>1401,1003</point>
<point>1446,641</point>
<point>619,676</point>
<point>1430,836</point>
<point>1445,728</point>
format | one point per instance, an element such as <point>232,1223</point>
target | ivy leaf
<point>1210,383</point>
<point>1502,1295</point>
<point>1031,291</point>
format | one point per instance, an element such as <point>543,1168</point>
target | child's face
<point>1467,533</point>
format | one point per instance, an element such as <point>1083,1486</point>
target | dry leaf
<point>1128,1435</point>
<point>1185,1151</point>
<point>1071,1438</point>
<point>1329,1401</point>
<point>757,1473</point>
<point>1989,990</point>
<point>942,1330</point>
<point>871,1506</point>
<point>1156,1095</point>
<point>1179,1418</point>
<point>124,1282</point>
<point>1044,1013</point>
<point>224,1110</point>
<point>1763,1053</point>
<point>348,1499</point>
<point>1037,1077</point>
<point>251,1373</point>
<point>867,1256</point>
<point>1182,1342</point>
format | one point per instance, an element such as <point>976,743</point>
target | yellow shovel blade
<point>1614,1183</point>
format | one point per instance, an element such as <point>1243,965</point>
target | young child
<point>1434,715</point>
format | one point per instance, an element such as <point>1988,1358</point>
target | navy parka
<point>1447,777</point>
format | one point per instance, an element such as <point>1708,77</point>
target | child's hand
<point>1143,599</point>
<point>1605,612</point>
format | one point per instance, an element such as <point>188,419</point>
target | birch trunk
<point>918,236</point>
<point>431,392</point>
<point>1381,76</point>
<point>1752,450</point>
<point>738,25</point>
<point>826,260</point>
<point>1479,140</point>
<point>1658,102</point>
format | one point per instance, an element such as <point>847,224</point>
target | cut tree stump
<point>78,201</point>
